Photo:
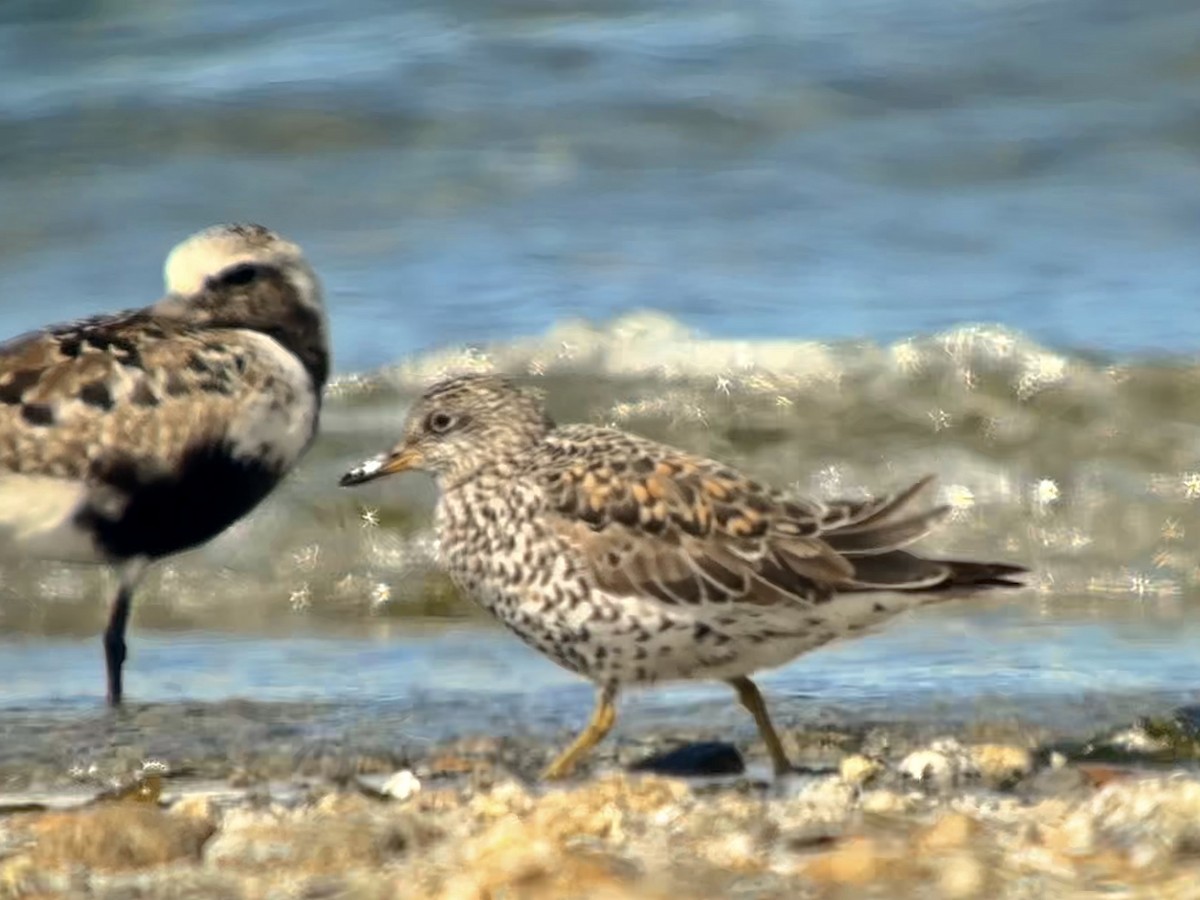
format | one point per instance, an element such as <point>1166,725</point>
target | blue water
<point>948,657</point>
<point>466,171</point>
<point>865,171</point>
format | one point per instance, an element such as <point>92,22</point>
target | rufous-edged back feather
<point>654,521</point>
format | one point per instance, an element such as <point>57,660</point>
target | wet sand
<point>289,803</point>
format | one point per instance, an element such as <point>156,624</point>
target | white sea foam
<point>650,344</point>
<point>1085,470</point>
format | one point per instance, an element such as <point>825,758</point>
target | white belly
<point>278,425</point>
<point>37,519</point>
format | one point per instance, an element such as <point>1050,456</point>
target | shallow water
<point>211,706</point>
<point>816,201</point>
<point>951,657</point>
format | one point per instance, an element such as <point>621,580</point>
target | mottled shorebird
<point>631,562</point>
<point>128,437</point>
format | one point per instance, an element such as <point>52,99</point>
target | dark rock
<point>694,760</point>
<point>1060,781</point>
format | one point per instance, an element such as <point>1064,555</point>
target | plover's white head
<point>209,254</point>
<point>247,276</point>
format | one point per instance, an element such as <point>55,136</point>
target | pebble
<point>887,802</point>
<point>961,876</point>
<point>738,852</point>
<point>1135,741</point>
<point>300,841</point>
<point>1098,775</point>
<point>858,770</point>
<point>943,764</point>
<point>198,808</point>
<point>871,830</point>
<point>951,832</point>
<point>1001,765</point>
<point>1074,836</point>
<point>824,799</point>
<point>856,862</point>
<point>402,785</point>
<point>115,836</point>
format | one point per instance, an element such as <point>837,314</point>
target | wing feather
<point>80,399</point>
<point>649,520</point>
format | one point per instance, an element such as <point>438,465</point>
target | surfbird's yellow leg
<point>748,693</point>
<point>603,717</point>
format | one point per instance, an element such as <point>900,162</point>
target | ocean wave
<point>1086,469</point>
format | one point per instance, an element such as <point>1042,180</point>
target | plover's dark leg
<point>604,715</point>
<point>118,619</point>
<point>750,697</point>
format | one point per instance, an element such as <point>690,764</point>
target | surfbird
<point>630,562</point>
<point>131,436</point>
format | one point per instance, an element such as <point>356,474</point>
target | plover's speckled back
<point>631,562</point>
<point>128,437</point>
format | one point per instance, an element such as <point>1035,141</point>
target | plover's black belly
<point>164,512</point>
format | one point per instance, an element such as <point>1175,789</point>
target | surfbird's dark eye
<point>439,422</point>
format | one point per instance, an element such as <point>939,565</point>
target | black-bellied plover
<point>631,562</point>
<point>131,436</point>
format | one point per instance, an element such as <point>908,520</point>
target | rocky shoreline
<point>875,814</point>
